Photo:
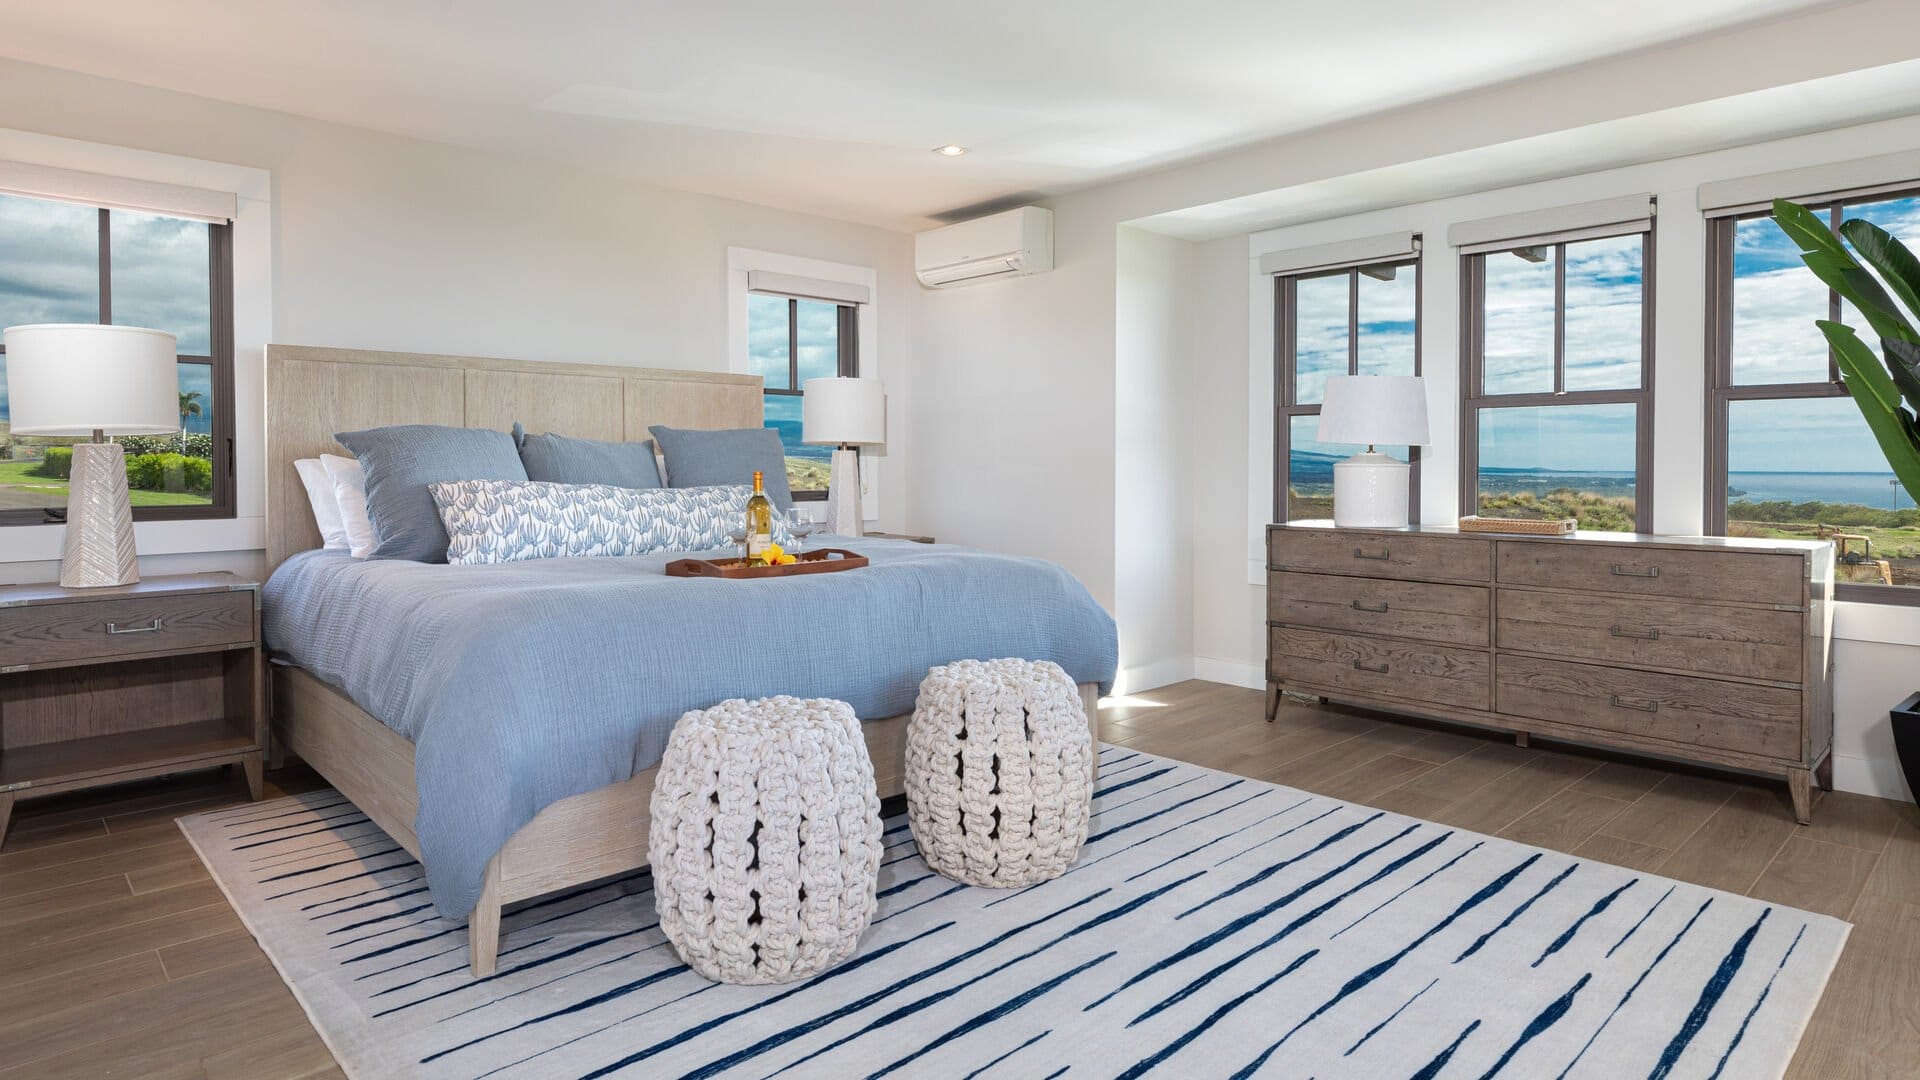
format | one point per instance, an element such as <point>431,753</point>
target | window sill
<point>42,543</point>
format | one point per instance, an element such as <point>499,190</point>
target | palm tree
<point>189,406</point>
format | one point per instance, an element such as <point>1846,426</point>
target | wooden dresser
<point>1710,650</point>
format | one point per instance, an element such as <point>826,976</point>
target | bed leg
<point>483,925</point>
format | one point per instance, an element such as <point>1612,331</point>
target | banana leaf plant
<point>1885,387</point>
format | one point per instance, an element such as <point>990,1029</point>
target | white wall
<point>390,243</point>
<point>1876,642</point>
<point>1152,458</point>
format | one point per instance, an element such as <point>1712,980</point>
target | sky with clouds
<point>50,272</point>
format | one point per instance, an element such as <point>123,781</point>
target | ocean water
<point>1876,489</point>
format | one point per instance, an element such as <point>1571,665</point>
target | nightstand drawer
<point>123,626</point>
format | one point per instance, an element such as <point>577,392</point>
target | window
<point>1359,321</point>
<point>62,262</point>
<point>1789,454</point>
<point>1557,417</point>
<point>791,340</point>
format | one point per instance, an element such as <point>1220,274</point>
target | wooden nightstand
<point>100,686</point>
<point>900,536</point>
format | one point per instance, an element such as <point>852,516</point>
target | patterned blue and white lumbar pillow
<point>494,521</point>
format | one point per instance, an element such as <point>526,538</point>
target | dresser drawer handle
<point>1377,669</point>
<point>116,628</point>
<point>1643,635</point>
<point>1649,572</point>
<point>1619,702</point>
<point>1376,609</point>
<point>1363,553</point>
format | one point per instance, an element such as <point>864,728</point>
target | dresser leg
<point>6,813</point>
<point>251,764</point>
<point>1800,786</point>
<point>1823,773</point>
<point>1520,739</point>
<point>1273,701</point>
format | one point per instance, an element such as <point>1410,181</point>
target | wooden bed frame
<point>312,393</point>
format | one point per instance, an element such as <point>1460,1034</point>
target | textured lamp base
<point>99,545</point>
<point>1370,491</point>
<point>843,494</point>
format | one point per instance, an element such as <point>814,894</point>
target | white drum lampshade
<point>844,413</point>
<point>84,379</point>
<point>1370,488</point>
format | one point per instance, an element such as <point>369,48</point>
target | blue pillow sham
<point>400,462</point>
<point>708,458</point>
<point>562,459</point>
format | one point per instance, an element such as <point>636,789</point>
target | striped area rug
<point>1214,926</point>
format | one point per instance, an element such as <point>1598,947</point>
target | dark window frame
<point>846,338</point>
<point>1286,368</point>
<point>1722,391</point>
<point>219,359</point>
<point>1473,395</point>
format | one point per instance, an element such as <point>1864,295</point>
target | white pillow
<point>326,508</point>
<point>350,493</point>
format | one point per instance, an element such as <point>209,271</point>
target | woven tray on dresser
<point>1711,650</point>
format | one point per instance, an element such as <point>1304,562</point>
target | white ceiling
<point>833,108</point>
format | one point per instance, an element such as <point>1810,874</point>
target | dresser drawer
<point>1742,642</point>
<point>1407,556</point>
<point>1450,614</point>
<point>125,626</point>
<point>1624,568</point>
<point>1681,709</point>
<point>1396,669</point>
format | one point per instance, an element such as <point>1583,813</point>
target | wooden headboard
<point>313,392</point>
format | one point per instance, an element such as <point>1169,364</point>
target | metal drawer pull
<point>1362,553</point>
<point>1643,635</point>
<point>116,628</point>
<point>1377,669</point>
<point>1621,571</point>
<point>1619,702</point>
<point>1358,606</point>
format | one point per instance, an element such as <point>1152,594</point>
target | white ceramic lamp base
<point>99,544</point>
<point>1370,491</point>
<point>843,494</point>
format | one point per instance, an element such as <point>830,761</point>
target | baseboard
<point>1231,672</point>
<point>1870,776</point>
<point>1152,676</point>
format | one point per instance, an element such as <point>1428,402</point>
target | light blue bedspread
<point>521,684</point>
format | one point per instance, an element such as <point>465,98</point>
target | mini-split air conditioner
<point>1007,244</point>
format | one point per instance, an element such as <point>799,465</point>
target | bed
<point>381,679</point>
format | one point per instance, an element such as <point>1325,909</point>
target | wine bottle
<point>759,519</point>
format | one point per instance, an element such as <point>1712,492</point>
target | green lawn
<point>17,480</point>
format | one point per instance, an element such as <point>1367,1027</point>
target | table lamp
<point>85,379</point>
<point>844,413</point>
<point>1370,488</point>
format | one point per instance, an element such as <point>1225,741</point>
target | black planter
<point>1906,739</point>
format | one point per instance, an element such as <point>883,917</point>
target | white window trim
<point>246,531</point>
<point>741,264</point>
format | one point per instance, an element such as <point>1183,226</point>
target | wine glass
<point>800,525</point>
<point>739,537</point>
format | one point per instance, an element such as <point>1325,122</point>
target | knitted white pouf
<point>998,764</point>
<point>765,842</point>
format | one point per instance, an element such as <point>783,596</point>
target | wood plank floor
<point>120,957</point>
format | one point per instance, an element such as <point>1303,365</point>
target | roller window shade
<point>117,192</point>
<point>1581,221</point>
<point>1858,178</point>
<point>806,288</point>
<point>1391,247</point>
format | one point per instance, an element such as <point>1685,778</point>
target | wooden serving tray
<point>1519,526</point>
<point>823,561</point>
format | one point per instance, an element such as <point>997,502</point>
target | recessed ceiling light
<point>950,150</point>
